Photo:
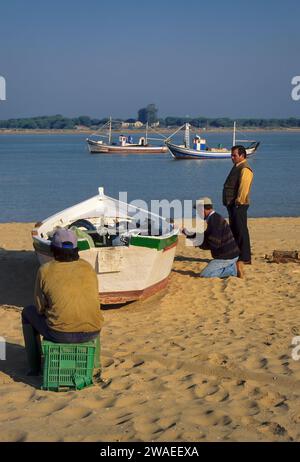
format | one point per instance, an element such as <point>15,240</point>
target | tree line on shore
<point>58,122</point>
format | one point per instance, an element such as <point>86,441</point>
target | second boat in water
<point>201,151</point>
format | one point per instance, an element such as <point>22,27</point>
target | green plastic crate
<point>68,365</point>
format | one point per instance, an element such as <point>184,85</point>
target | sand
<point>207,360</point>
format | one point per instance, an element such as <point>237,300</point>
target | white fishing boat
<point>125,143</point>
<point>200,149</point>
<point>131,249</point>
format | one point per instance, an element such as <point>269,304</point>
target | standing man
<point>236,194</point>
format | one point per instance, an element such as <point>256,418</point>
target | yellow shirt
<point>67,294</point>
<point>246,178</point>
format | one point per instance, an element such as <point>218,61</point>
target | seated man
<point>67,307</point>
<point>218,238</point>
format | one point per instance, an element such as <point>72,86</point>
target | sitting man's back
<point>67,293</point>
<point>67,305</point>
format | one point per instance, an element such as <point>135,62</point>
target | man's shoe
<point>240,269</point>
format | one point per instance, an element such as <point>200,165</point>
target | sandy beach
<point>207,360</point>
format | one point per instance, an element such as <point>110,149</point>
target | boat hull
<point>180,152</point>
<point>98,148</point>
<point>131,266</point>
<point>125,273</point>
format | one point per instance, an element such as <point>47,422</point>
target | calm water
<point>42,174</point>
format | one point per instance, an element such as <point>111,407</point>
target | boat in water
<point>131,249</point>
<point>200,150</point>
<point>125,144</point>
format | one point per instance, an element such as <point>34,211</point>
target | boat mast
<point>109,136</point>
<point>187,135</point>
<point>146,141</point>
<point>234,134</point>
<point>173,134</point>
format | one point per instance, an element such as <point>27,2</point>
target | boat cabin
<point>199,144</point>
<point>125,140</point>
<point>128,141</point>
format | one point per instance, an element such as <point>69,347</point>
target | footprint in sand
<point>218,359</point>
<point>15,436</point>
<point>242,408</point>
<point>253,363</point>
<point>124,418</point>
<point>274,428</point>
<point>172,434</point>
<point>202,416</point>
<point>20,397</point>
<point>205,389</point>
<point>10,416</point>
<point>107,362</point>
<point>104,403</point>
<point>121,383</point>
<point>126,401</point>
<point>146,427</point>
<point>167,422</point>
<point>220,396</point>
<point>72,413</point>
<point>47,408</point>
<point>272,399</point>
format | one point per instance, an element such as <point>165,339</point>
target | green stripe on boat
<point>153,243</point>
<point>46,250</point>
<point>139,241</point>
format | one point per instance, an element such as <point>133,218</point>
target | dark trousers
<point>35,324</point>
<point>31,316</point>
<point>239,228</point>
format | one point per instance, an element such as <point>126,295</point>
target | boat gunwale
<point>152,242</point>
<point>100,198</point>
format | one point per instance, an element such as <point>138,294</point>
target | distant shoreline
<point>6,131</point>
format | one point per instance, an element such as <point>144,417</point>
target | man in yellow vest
<point>236,197</point>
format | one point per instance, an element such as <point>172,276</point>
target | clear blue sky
<point>231,58</point>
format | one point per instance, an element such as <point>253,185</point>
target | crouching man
<point>67,307</point>
<point>218,238</point>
